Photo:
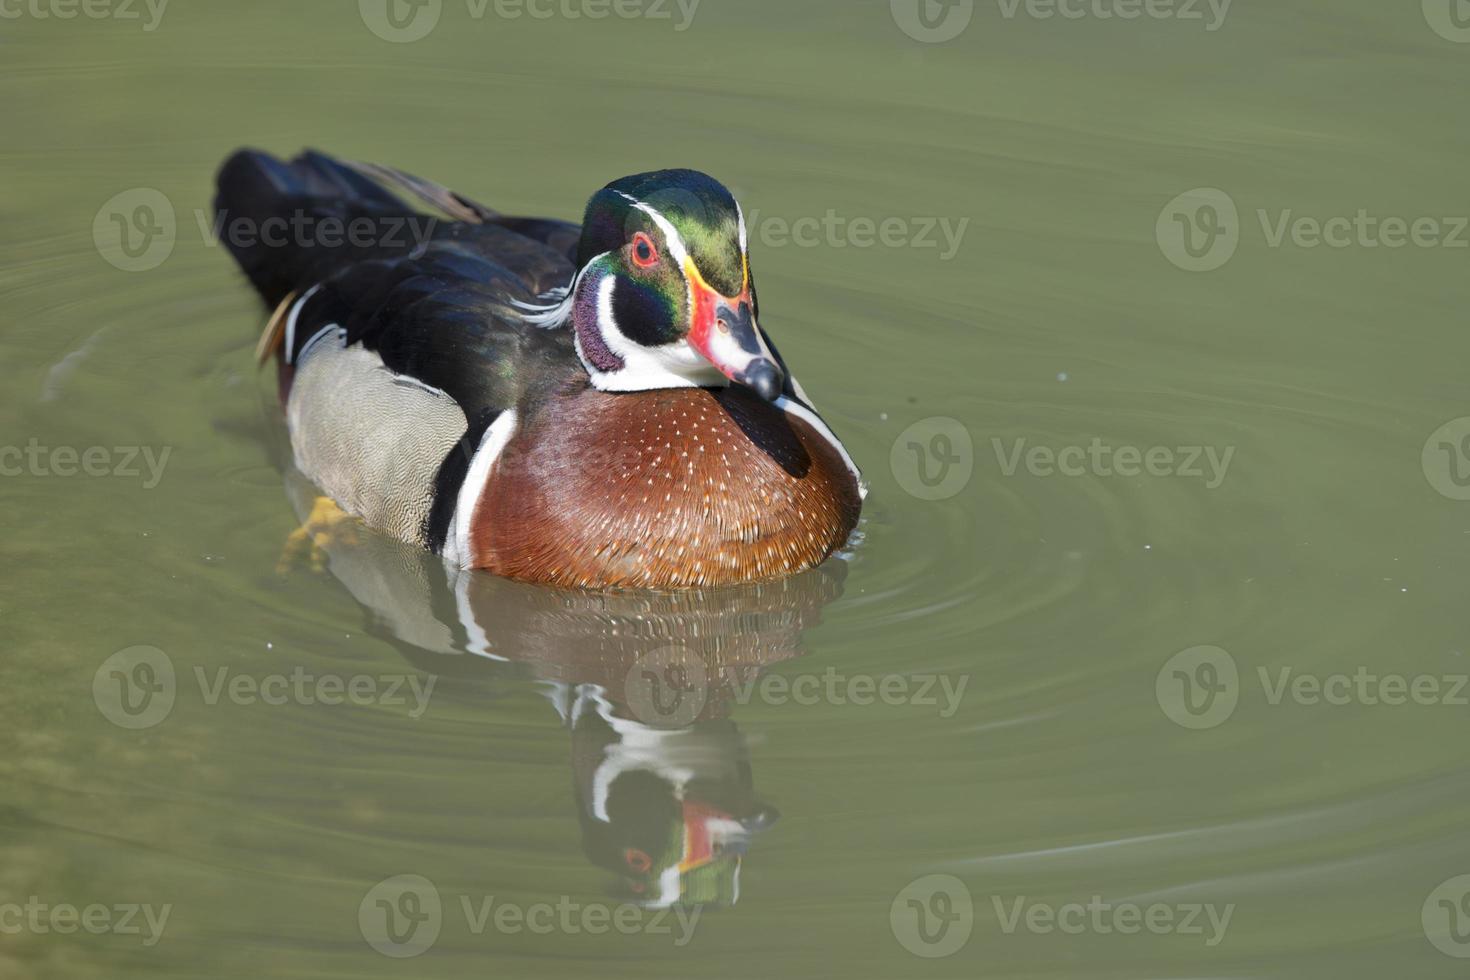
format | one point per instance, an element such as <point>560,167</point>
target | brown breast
<point>662,489</point>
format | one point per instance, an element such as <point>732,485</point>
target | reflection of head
<point>670,812</point>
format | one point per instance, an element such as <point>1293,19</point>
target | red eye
<point>645,255</point>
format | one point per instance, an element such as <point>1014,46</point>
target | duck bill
<point>725,332</point>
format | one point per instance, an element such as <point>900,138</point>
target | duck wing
<point>339,253</point>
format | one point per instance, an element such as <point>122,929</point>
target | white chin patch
<point>676,365</point>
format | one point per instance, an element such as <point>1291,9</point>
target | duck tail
<point>293,225</point>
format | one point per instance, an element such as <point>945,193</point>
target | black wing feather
<point>437,307</point>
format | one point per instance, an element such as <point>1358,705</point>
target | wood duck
<point>593,406</point>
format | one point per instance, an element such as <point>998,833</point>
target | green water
<point>1084,460</point>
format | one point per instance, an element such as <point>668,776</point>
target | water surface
<point>1001,364</point>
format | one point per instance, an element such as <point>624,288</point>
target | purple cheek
<point>594,348</point>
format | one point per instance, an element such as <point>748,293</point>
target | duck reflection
<point>643,682</point>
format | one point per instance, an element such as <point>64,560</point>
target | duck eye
<point>637,860</point>
<point>644,253</point>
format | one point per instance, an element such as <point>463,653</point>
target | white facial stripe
<point>676,241</point>
<point>671,234</point>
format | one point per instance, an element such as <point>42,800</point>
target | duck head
<point>663,296</point>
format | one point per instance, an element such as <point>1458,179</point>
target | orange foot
<point>327,525</point>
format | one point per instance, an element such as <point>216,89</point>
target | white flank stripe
<point>476,482</point>
<point>815,421</point>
